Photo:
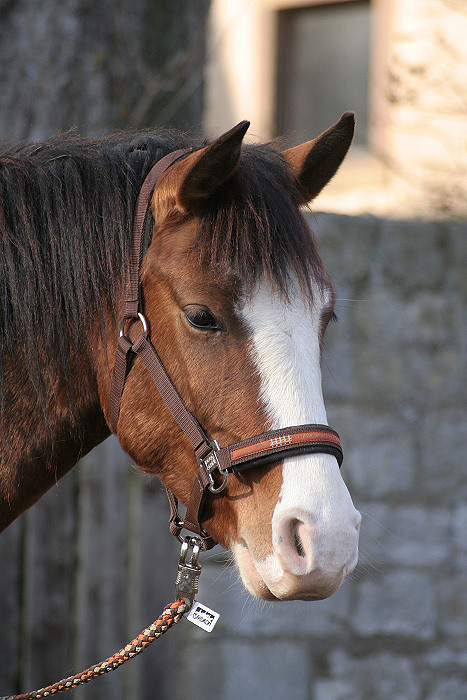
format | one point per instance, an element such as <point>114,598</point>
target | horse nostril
<point>297,539</point>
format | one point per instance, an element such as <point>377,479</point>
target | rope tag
<point>203,616</point>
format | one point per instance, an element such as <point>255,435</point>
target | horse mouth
<point>252,579</point>
<point>268,581</point>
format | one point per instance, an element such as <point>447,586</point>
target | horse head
<point>237,302</point>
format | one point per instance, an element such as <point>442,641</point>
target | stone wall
<point>92,563</point>
<point>395,371</point>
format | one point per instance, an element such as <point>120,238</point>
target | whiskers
<point>367,567</point>
<point>228,584</point>
<point>370,564</point>
<point>255,607</point>
<point>350,303</point>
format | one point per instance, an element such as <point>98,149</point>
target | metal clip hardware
<point>210,464</point>
<point>189,569</point>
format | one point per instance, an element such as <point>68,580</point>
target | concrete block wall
<point>395,384</point>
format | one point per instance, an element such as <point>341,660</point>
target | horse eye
<point>201,318</point>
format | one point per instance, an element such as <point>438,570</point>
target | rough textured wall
<point>395,372</point>
<point>418,102</point>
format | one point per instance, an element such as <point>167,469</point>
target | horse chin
<point>252,580</point>
<point>267,580</point>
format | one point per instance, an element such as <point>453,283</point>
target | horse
<point>236,301</point>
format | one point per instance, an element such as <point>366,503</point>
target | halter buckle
<point>211,463</point>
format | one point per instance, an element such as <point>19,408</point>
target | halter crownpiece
<point>213,461</point>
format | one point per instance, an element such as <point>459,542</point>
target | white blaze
<point>285,336</point>
<point>285,339</point>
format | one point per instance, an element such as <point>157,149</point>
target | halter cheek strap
<point>215,463</point>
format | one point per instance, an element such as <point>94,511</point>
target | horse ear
<point>209,168</point>
<point>315,162</point>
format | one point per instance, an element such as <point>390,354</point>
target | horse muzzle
<point>312,549</point>
<point>299,568</point>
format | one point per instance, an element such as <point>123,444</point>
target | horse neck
<point>40,444</point>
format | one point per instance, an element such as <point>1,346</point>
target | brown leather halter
<point>271,446</point>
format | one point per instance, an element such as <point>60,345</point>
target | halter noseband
<point>271,446</point>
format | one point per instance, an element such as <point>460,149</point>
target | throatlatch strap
<point>118,380</point>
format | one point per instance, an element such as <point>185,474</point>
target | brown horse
<point>237,302</point>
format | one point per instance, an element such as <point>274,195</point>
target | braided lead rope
<point>171,614</point>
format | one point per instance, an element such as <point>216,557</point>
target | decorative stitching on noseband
<point>281,441</point>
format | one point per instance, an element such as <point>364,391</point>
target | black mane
<point>66,207</point>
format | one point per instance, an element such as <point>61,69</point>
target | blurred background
<point>92,563</point>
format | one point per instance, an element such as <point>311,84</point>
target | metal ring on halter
<point>210,464</point>
<point>144,323</point>
<point>220,488</point>
<point>179,523</point>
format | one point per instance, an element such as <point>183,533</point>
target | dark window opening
<point>323,56</point>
